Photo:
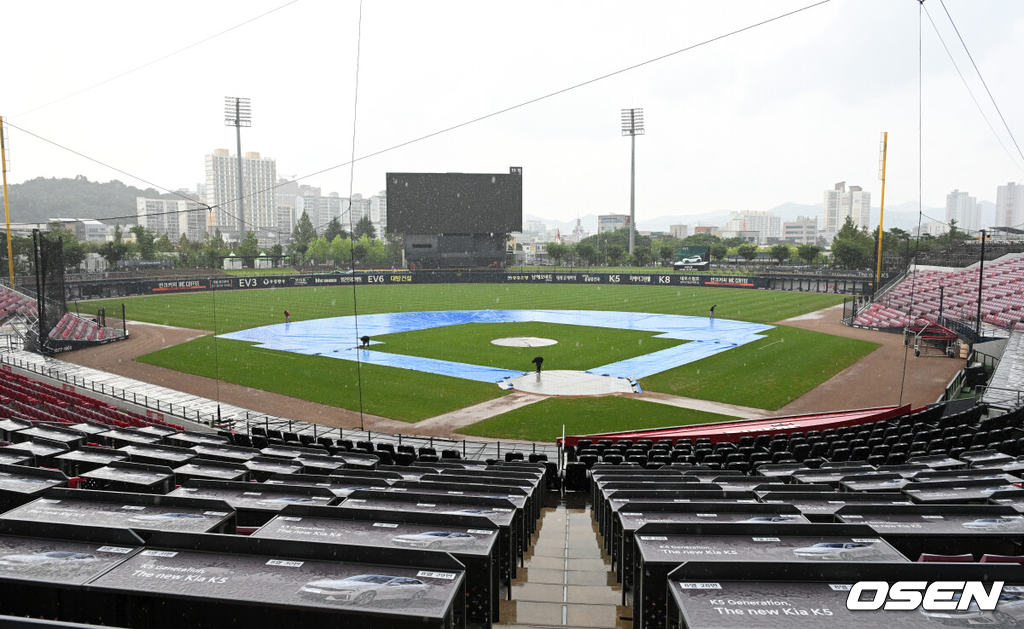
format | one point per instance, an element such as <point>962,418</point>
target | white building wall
<point>1010,205</point>
<point>259,180</point>
<point>963,208</point>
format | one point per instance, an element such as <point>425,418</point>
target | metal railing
<point>245,420</point>
<point>1001,397</point>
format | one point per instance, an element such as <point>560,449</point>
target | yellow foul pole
<point>7,207</point>
<point>881,214</point>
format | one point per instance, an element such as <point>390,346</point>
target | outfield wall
<point>122,288</point>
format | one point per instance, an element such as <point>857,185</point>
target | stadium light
<point>632,125</point>
<point>238,114</point>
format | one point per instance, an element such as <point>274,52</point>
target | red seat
<point>1003,559</point>
<point>928,557</point>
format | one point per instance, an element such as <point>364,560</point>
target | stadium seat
<point>576,477</point>
<point>404,458</point>
<point>1018,559</point>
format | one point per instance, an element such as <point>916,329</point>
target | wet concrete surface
<point>568,581</point>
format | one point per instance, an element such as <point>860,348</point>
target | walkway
<point>1006,388</point>
<point>568,581</point>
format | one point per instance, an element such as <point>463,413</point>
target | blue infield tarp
<point>337,337</point>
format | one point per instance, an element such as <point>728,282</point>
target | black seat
<point>404,458</point>
<point>576,478</point>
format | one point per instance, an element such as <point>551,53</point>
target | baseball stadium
<point>453,439</point>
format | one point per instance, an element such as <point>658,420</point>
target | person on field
<point>365,340</point>
<point>713,311</point>
<point>287,317</point>
<point>538,361</point>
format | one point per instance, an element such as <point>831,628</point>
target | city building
<point>360,209</point>
<point>259,179</point>
<point>379,213</point>
<point>765,224</point>
<point>1010,205</point>
<point>964,209</point>
<point>802,231</point>
<point>679,231</point>
<point>841,203</point>
<point>931,228</point>
<point>287,192</point>
<point>173,217</point>
<point>534,228</point>
<point>610,222</point>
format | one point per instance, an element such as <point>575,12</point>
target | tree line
<point>851,249</point>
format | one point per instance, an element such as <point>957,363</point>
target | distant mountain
<point>40,199</point>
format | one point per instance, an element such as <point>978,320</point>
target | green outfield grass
<point>765,374</point>
<point>228,311</point>
<point>768,373</point>
<point>578,348</point>
<point>543,420</point>
<point>396,393</point>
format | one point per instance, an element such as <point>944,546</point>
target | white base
<point>524,341</point>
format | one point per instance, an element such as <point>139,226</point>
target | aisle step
<point>567,580</point>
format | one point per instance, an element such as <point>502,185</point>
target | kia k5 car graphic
<point>167,517</point>
<point>364,588</point>
<point>838,550</point>
<point>52,557</point>
<point>434,539</point>
<point>993,524</point>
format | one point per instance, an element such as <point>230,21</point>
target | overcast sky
<point>774,114</point>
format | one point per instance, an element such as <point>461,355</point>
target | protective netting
<point>49,267</point>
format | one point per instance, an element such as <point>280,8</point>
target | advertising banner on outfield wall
<point>447,277</point>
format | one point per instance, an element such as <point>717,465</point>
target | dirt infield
<point>878,378</point>
<point>875,380</point>
<point>119,358</point>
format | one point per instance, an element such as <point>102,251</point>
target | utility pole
<point>7,207</point>
<point>881,213</point>
<point>981,280</point>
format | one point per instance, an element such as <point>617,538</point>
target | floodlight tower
<point>238,114</point>
<point>632,125</point>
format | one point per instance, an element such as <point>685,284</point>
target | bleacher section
<point>90,472</point>
<point>320,524</point>
<point>917,296</point>
<point>70,329</point>
<point>30,400</point>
